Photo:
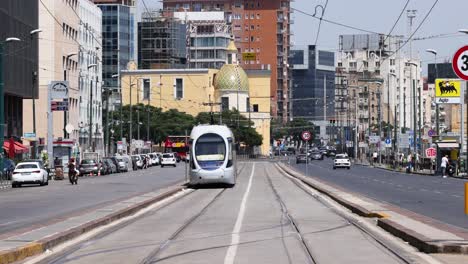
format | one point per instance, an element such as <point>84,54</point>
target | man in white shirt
<point>443,165</point>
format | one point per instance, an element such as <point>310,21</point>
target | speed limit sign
<point>306,135</point>
<point>460,63</point>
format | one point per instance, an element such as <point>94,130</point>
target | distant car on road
<point>88,166</point>
<point>316,155</point>
<point>154,159</point>
<point>301,158</point>
<point>111,164</point>
<point>29,173</point>
<point>168,159</point>
<point>341,161</point>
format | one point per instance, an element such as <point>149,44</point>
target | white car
<point>168,159</point>
<point>139,161</point>
<point>341,161</point>
<point>29,173</point>
<point>154,159</point>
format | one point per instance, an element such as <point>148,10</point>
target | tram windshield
<point>210,147</point>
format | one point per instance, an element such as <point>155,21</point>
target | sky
<point>447,17</point>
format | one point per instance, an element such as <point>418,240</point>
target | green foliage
<point>162,124</point>
<point>293,129</point>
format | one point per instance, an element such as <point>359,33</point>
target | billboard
<point>447,88</point>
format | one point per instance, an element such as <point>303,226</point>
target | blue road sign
<point>388,141</point>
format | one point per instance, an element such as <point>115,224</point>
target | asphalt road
<point>432,196</point>
<point>33,205</point>
<point>265,218</point>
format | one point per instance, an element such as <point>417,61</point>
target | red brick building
<point>258,26</point>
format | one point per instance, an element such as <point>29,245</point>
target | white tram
<point>212,155</point>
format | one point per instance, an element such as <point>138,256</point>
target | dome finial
<point>231,53</point>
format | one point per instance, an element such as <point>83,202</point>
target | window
<point>255,108</point>
<point>224,103</point>
<point>252,27</point>
<point>258,16</point>
<point>252,16</point>
<point>246,16</point>
<point>247,102</point>
<point>252,38</point>
<point>209,148</point>
<point>146,89</point>
<point>237,27</point>
<point>179,88</point>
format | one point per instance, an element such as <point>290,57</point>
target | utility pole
<point>380,124</point>
<point>107,143</point>
<point>211,104</point>
<point>90,114</point>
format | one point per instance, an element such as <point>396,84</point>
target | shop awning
<point>18,147</point>
<point>450,145</point>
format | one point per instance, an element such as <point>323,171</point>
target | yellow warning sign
<point>447,88</point>
<point>249,56</point>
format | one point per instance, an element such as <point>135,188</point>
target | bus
<point>177,144</point>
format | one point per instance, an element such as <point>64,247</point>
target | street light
<point>2,99</point>
<point>435,78</point>
<point>379,117</point>
<point>34,78</point>
<point>463,30</point>
<point>415,113</point>
<point>90,114</point>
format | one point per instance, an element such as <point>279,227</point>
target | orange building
<point>261,27</point>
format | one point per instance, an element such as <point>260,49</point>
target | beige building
<point>189,91</point>
<point>58,50</point>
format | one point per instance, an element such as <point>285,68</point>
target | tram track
<point>304,186</point>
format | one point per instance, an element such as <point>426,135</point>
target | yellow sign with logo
<point>447,88</point>
<point>249,56</point>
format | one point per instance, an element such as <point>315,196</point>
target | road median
<point>426,237</point>
<point>20,247</point>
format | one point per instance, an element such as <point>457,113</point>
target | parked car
<point>128,161</point>
<point>111,164</point>
<point>138,160</point>
<point>122,165</point>
<point>316,155</point>
<point>341,161</point>
<point>8,168</point>
<point>88,166</point>
<point>301,158</point>
<point>154,159</point>
<point>104,167</point>
<point>168,159</point>
<point>115,162</point>
<point>29,173</point>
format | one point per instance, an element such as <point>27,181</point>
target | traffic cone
<point>92,174</point>
<point>99,173</point>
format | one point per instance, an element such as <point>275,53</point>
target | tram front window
<point>210,151</point>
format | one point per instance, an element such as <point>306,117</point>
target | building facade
<point>90,78</point>
<point>377,60</point>
<point>161,42</point>
<point>261,28</point>
<point>58,60</point>
<point>208,35</point>
<point>118,44</point>
<point>20,62</point>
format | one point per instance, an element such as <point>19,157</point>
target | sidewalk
<point>402,170</point>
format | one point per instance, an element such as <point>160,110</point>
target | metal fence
<point>5,183</point>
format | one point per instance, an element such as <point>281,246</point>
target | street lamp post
<point>34,79</point>
<point>465,31</point>
<point>388,114</point>
<point>121,107</point>
<point>435,78</point>
<point>90,114</point>
<point>415,113</point>
<point>65,135</point>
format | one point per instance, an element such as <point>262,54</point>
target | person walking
<point>443,165</point>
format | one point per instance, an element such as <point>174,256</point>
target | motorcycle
<point>72,174</point>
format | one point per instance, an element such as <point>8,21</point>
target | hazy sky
<point>379,16</point>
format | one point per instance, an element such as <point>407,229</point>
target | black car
<point>105,168</point>
<point>301,158</point>
<point>8,168</point>
<point>115,162</point>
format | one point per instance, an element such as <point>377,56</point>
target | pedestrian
<point>374,157</point>
<point>443,165</point>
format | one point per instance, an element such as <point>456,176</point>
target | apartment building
<point>260,28</point>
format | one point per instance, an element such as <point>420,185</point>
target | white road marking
<point>235,237</point>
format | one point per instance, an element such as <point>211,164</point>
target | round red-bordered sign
<point>460,63</point>
<point>306,135</point>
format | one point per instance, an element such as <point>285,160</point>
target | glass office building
<point>313,83</point>
<point>118,41</point>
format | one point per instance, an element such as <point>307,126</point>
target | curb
<point>417,240</point>
<point>40,246</point>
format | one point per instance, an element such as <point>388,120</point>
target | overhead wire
<point>320,22</point>
<point>398,19</point>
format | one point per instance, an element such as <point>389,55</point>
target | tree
<point>293,129</point>
<point>239,124</point>
<point>161,124</point>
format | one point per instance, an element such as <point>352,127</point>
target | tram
<point>212,156</point>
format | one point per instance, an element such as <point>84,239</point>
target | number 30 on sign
<point>460,63</point>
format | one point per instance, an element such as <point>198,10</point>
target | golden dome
<point>231,77</point>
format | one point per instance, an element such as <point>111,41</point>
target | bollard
<point>466,198</point>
